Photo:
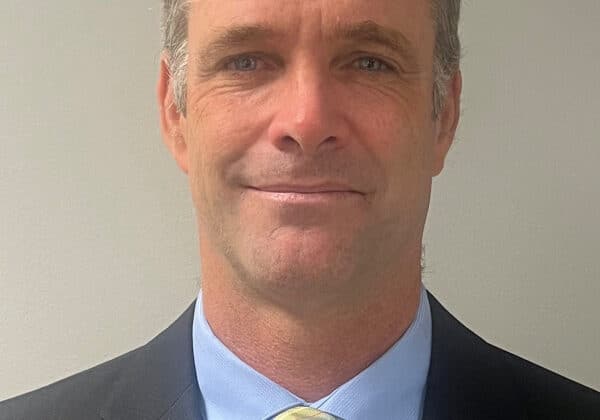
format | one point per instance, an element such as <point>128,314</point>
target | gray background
<point>98,247</point>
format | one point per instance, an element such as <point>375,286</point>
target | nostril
<point>330,143</point>
<point>288,144</point>
<point>291,143</point>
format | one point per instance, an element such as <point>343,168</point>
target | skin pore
<point>304,93</point>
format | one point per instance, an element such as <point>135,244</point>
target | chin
<point>292,260</point>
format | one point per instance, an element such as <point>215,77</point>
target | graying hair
<point>446,14</point>
<point>446,55</point>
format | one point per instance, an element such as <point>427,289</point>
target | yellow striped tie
<point>299,413</point>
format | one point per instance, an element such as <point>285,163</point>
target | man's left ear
<point>172,121</point>
<point>446,123</point>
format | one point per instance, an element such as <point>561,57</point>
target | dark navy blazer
<point>468,379</point>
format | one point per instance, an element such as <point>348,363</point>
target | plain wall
<point>98,247</point>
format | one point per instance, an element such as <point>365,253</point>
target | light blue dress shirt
<point>392,387</point>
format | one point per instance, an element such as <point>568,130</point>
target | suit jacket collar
<point>160,380</point>
<point>467,377</point>
<point>464,381</point>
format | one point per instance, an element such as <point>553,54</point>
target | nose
<point>307,116</point>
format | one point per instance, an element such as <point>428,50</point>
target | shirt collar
<point>393,384</point>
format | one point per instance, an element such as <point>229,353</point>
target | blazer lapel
<point>160,381</point>
<point>467,378</point>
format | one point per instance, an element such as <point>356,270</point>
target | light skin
<point>309,289</point>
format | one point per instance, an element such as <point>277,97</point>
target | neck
<point>311,354</point>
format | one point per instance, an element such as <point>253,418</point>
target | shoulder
<point>548,395</point>
<point>144,383</point>
<point>80,396</point>
<point>469,375</point>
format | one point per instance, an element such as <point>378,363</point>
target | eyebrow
<point>369,31</point>
<point>365,31</point>
<point>236,36</point>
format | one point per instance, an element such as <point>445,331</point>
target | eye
<point>371,64</point>
<point>242,63</point>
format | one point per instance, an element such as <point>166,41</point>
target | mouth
<point>306,189</point>
<point>306,196</point>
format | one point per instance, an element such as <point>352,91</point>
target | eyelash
<point>387,67</point>
<point>240,57</point>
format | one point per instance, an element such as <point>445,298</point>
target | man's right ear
<point>172,122</point>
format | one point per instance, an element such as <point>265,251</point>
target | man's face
<point>289,100</point>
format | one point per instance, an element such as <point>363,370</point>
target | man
<point>310,132</point>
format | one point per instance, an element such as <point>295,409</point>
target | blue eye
<point>371,64</point>
<point>243,63</point>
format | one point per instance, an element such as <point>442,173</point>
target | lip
<point>306,189</point>
<point>315,197</point>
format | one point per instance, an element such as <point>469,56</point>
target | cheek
<point>393,114</point>
<point>216,133</point>
<point>400,143</point>
<point>220,132</point>
<point>397,135</point>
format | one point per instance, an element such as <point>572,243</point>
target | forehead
<point>313,18</point>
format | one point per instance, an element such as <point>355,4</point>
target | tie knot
<point>299,413</point>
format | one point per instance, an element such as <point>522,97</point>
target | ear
<point>172,122</point>
<point>447,122</point>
